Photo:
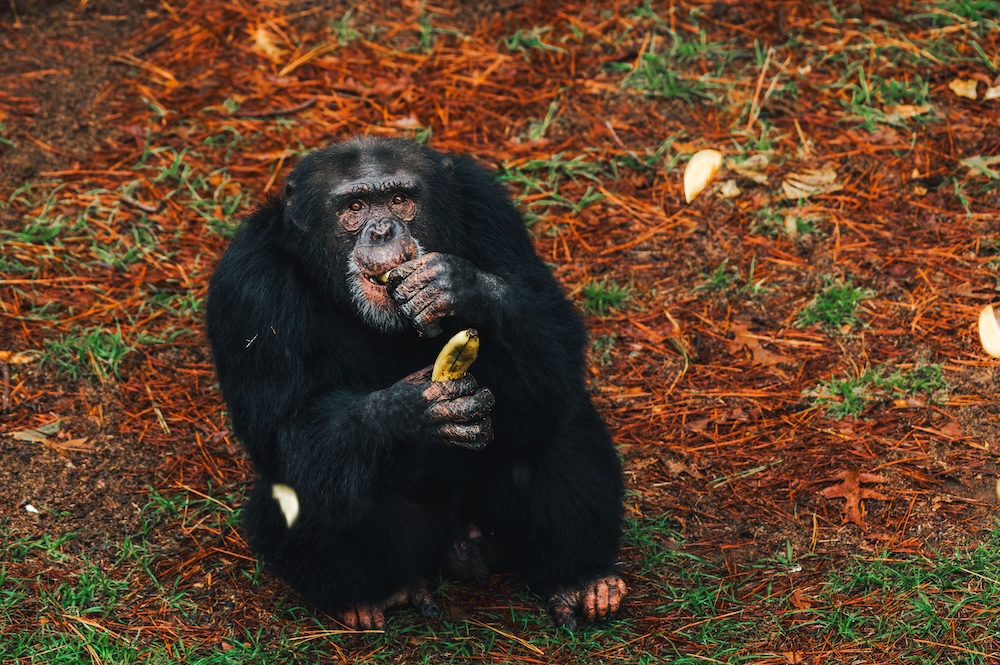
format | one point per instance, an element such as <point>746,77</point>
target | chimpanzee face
<point>361,207</point>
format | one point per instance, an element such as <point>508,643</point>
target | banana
<point>457,356</point>
<point>288,501</point>
<point>989,331</point>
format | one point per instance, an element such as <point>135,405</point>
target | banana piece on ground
<point>989,331</point>
<point>288,501</point>
<point>700,170</point>
<point>457,356</point>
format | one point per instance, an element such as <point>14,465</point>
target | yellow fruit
<point>989,331</point>
<point>700,170</point>
<point>457,356</point>
<point>288,501</point>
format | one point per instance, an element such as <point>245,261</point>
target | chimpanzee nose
<point>381,231</point>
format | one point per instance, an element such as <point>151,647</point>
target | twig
<point>139,205</point>
<point>269,114</point>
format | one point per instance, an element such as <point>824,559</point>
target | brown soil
<point>706,391</point>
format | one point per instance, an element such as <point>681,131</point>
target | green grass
<point>600,297</point>
<point>940,608</point>
<point>835,307</point>
<point>851,396</point>
<point>721,279</point>
<point>94,352</point>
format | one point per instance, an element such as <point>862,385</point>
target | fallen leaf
<point>406,122</point>
<point>752,167</point>
<point>849,488</point>
<point>905,111</point>
<point>810,183</point>
<point>729,190</point>
<point>800,600</point>
<point>979,165</point>
<point>964,87</point>
<point>16,357</point>
<point>263,43</point>
<point>745,339</point>
<point>992,93</point>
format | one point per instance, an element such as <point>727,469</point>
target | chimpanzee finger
<point>473,436</point>
<point>588,607</point>
<point>404,270</point>
<point>471,407</point>
<point>562,608</point>
<point>411,278</point>
<point>442,391</point>
<point>420,376</point>
<point>425,315</point>
<point>349,618</point>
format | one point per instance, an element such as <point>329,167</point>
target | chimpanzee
<point>324,317</point>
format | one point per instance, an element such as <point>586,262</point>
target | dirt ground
<point>707,391</point>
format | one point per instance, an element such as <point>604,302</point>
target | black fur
<point>315,394</point>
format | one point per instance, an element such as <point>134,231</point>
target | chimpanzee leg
<point>354,572</point>
<point>555,515</point>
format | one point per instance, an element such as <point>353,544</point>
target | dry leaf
<point>752,167</point>
<point>905,111</point>
<point>407,122</point>
<point>979,165</point>
<point>263,43</point>
<point>964,87</point>
<point>810,183</point>
<point>992,93</point>
<point>729,190</point>
<point>16,357</point>
<point>745,339</point>
<point>849,488</point>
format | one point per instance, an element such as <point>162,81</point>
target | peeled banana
<point>989,331</point>
<point>288,501</point>
<point>699,172</point>
<point>457,356</point>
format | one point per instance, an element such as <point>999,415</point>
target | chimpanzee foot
<point>469,558</point>
<point>596,600</point>
<point>372,616</point>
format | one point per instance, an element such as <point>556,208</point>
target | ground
<point>792,373</point>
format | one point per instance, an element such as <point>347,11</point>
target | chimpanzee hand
<point>455,412</point>
<point>435,286</point>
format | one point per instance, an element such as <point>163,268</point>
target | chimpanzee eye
<point>398,198</point>
<point>357,205</point>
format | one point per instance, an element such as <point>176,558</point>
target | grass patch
<point>835,307</point>
<point>851,396</point>
<point>91,352</point>
<point>600,297</point>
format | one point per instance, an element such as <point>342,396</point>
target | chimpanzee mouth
<point>380,279</point>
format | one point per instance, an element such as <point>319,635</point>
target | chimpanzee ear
<point>288,213</point>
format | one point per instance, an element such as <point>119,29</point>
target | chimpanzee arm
<point>338,447</point>
<point>494,281</point>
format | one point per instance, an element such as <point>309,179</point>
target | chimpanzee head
<point>359,209</point>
